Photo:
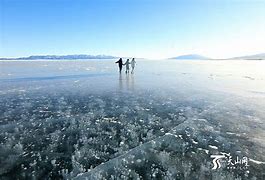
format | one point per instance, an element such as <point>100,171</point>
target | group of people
<point>127,65</point>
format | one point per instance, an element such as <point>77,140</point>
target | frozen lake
<point>82,119</point>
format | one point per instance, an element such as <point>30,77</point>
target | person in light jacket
<point>133,62</point>
<point>127,65</point>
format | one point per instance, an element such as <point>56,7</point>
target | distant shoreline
<point>62,57</point>
<point>111,59</point>
<point>258,57</point>
<point>2,59</point>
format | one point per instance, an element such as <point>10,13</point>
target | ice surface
<point>81,119</point>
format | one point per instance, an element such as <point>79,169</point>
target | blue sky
<point>140,28</point>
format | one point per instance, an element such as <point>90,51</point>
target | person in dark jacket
<point>120,64</point>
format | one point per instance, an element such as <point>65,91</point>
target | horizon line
<point>115,56</point>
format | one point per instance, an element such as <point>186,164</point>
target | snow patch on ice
<point>213,147</point>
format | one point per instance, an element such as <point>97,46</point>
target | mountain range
<point>252,57</point>
<point>84,56</point>
<point>63,57</point>
<point>190,56</point>
<point>200,57</point>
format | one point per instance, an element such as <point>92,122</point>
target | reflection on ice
<point>126,82</point>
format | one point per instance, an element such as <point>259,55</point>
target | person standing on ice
<point>133,62</point>
<point>127,65</point>
<point>120,64</point>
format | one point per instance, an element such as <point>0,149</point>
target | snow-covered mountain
<point>56,57</point>
<point>252,57</point>
<point>190,56</point>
